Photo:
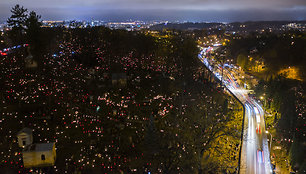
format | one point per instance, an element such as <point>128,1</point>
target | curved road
<point>255,155</point>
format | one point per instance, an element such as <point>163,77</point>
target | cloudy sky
<point>191,10</point>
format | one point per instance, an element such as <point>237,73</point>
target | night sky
<point>182,10</point>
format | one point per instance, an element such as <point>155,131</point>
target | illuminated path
<point>255,155</point>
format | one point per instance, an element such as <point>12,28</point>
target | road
<point>255,156</point>
<point>9,50</point>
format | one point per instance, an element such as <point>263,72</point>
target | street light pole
<point>270,139</point>
<point>264,104</point>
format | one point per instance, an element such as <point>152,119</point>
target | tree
<point>18,18</point>
<point>17,22</point>
<point>242,61</point>
<point>225,106</point>
<point>32,22</point>
<point>33,30</point>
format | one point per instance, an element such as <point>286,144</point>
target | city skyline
<point>193,10</point>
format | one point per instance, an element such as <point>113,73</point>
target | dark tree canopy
<point>33,21</point>
<point>17,22</point>
<point>33,30</point>
<point>18,17</point>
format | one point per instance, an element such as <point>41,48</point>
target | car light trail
<point>255,156</point>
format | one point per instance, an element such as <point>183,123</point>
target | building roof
<point>25,130</point>
<point>39,147</point>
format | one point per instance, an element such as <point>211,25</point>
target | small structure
<point>119,79</point>
<point>25,137</point>
<point>39,155</point>
<point>29,61</point>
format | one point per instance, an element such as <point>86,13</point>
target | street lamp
<point>264,100</point>
<point>267,132</point>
